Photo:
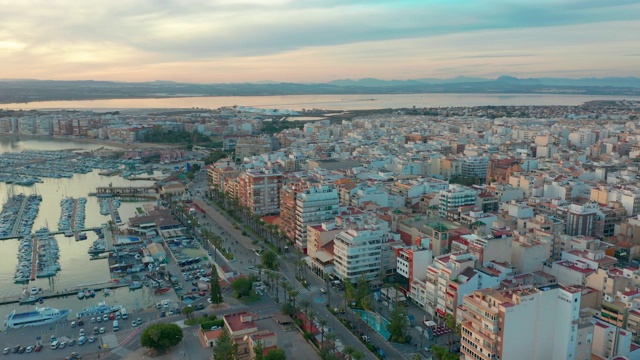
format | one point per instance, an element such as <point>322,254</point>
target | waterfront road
<point>243,248</point>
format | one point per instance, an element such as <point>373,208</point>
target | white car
<point>323,290</point>
<point>102,330</point>
<point>134,323</point>
<point>6,350</point>
<point>30,348</point>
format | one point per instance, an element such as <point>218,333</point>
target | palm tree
<point>348,352</point>
<point>286,287</point>
<point>366,306</point>
<point>292,296</point>
<point>331,338</point>
<point>322,322</point>
<point>304,304</point>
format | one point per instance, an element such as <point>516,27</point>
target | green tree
<point>288,309</point>
<point>188,311</point>
<point>161,336</point>
<point>416,357</point>
<point>216,290</point>
<point>398,325</point>
<point>362,290</point>
<point>450,321</point>
<point>258,349</point>
<point>349,292</point>
<point>441,353</point>
<point>225,347</point>
<point>242,287</point>
<point>269,260</point>
<point>276,354</point>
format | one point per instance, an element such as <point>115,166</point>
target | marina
<point>18,215</point>
<point>42,205</point>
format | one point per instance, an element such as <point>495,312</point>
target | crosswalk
<point>307,290</point>
<point>122,352</point>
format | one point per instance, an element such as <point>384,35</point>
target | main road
<point>246,256</point>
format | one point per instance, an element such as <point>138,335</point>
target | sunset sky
<point>317,40</point>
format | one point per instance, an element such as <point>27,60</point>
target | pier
<point>149,178</point>
<point>10,237</point>
<point>16,225</point>
<point>34,258</point>
<point>64,293</point>
<point>126,191</point>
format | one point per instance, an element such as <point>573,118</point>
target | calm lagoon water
<point>327,102</point>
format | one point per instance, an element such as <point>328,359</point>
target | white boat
<point>40,316</point>
<point>100,309</point>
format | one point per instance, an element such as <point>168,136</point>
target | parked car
<point>37,348</point>
<point>92,339</point>
<point>102,330</point>
<point>6,350</point>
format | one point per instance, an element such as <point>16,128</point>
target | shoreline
<point>117,145</point>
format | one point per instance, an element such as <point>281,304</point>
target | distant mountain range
<point>25,90</point>
<point>607,82</point>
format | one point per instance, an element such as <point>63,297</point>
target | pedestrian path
<point>307,290</point>
<point>122,352</point>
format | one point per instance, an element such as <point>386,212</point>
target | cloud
<point>147,34</point>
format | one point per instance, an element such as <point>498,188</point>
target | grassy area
<point>253,297</point>
<point>192,252</point>
<point>200,320</point>
<point>140,210</point>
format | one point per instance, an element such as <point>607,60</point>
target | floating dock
<point>34,257</point>
<point>65,293</point>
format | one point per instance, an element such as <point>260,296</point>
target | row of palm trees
<point>273,234</point>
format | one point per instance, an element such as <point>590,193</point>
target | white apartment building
<point>475,167</point>
<point>507,324</point>
<point>455,197</point>
<point>582,138</point>
<point>357,250</point>
<point>314,205</point>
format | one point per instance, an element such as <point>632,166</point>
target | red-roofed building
<point>240,326</point>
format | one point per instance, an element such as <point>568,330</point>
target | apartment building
<point>455,197</point>
<point>500,324</point>
<point>314,204</point>
<point>412,261</point>
<point>357,250</point>
<point>259,190</point>
<point>475,167</point>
